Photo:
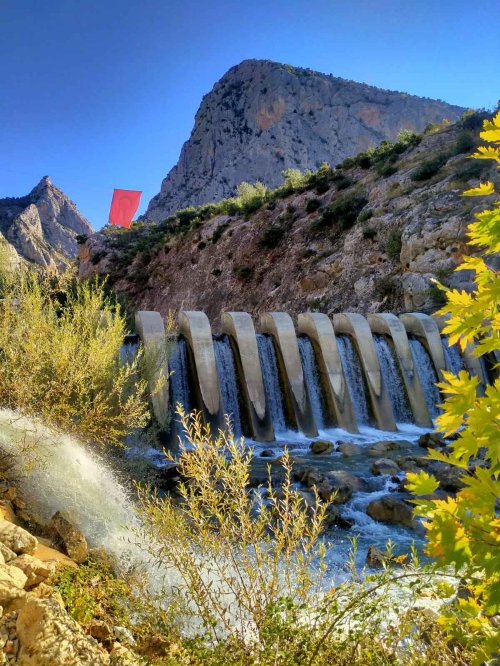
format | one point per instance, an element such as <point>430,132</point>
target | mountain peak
<point>263,117</point>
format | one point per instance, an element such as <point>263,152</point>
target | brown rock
<point>47,554</point>
<point>431,440</point>
<point>348,449</point>
<point>16,538</point>
<point>343,477</point>
<point>122,656</point>
<point>379,448</point>
<point>375,557</point>
<point>74,541</point>
<point>384,466</point>
<point>321,446</point>
<point>35,570</point>
<point>49,636</point>
<point>388,509</point>
<point>100,630</point>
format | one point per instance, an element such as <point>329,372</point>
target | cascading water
<point>311,376</point>
<point>73,478</point>
<point>226,370</point>
<point>428,377</point>
<point>453,358</point>
<point>392,378</point>
<point>354,377</point>
<point>270,375</point>
<point>179,379</point>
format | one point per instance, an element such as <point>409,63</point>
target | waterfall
<point>392,378</point>
<point>311,376</point>
<point>226,369</point>
<point>453,358</point>
<point>128,351</point>
<point>73,478</point>
<point>179,378</point>
<point>428,377</point>
<point>354,377</point>
<point>270,375</point>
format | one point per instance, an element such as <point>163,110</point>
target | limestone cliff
<point>263,117</point>
<point>42,226</point>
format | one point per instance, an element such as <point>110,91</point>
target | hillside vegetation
<point>366,235</point>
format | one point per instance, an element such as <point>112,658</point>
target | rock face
<point>381,264</point>
<point>263,117</point>
<point>42,226</point>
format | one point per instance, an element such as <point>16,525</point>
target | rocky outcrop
<point>408,233</point>
<point>263,117</point>
<point>42,226</point>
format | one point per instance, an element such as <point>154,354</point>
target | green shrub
<point>81,238</point>
<point>394,245</point>
<point>219,232</point>
<point>186,216</point>
<point>471,169</point>
<point>428,168</point>
<point>65,368</point>
<point>270,236</point>
<point>365,215</point>
<point>465,143</point>
<point>343,212</point>
<point>436,294</point>
<point>243,271</point>
<point>369,232</point>
<point>386,169</point>
<point>364,160</point>
<point>313,205</point>
<point>343,183</point>
<point>202,245</point>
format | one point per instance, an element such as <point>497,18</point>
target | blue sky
<point>102,94</point>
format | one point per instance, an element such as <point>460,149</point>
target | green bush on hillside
<point>343,211</point>
<point>394,245</point>
<point>428,168</point>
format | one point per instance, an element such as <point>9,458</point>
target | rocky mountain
<point>42,226</point>
<point>263,117</point>
<point>362,239</point>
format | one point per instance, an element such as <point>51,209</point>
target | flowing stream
<point>453,358</point>
<point>311,376</point>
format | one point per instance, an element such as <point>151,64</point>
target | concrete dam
<point>346,371</point>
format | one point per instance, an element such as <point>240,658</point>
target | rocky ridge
<point>263,117</point>
<point>42,226</point>
<point>407,233</point>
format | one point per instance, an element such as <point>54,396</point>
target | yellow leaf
<point>487,153</point>
<point>482,190</point>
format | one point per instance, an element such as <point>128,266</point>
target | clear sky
<point>102,93</point>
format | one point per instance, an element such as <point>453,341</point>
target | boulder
<point>74,541</point>
<point>342,476</point>
<point>379,448</point>
<point>12,581</point>
<point>449,477</point>
<point>49,636</point>
<point>375,557</point>
<point>348,449</point>
<point>6,553</point>
<point>384,466</point>
<point>7,512</point>
<point>100,630</point>
<point>388,509</point>
<point>46,553</point>
<point>337,492</point>
<point>431,440</point>
<point>16,538</point>
<point>267,453</point>
<point>122,656</point>
<point>309,476</point>
<point>322,446</point>
<point>35,570</point>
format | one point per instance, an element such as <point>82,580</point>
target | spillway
<point>428,376</point>
<point>395,387</point>
<point>270,375</point>
<point>311,374</point>
<point>354,378</point>
<point>226,368</point>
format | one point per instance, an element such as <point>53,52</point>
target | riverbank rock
<point>12,581</point>
<point>16,538</point>
<point>384,466</point>
<point>388,509</point>
<point>449,477</point>
<point>342,476</point>
<point>73,540</point>
<point>122,656</point>
<point>431,440</point>
<point>335,491</point>
<point>49,636</point>
<point>375,557</point>
<point>35,570</point>
<point>349,449</point>
<point>322,446</point>
<point>379,448</point>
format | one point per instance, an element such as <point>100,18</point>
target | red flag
<point>124,206</point>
